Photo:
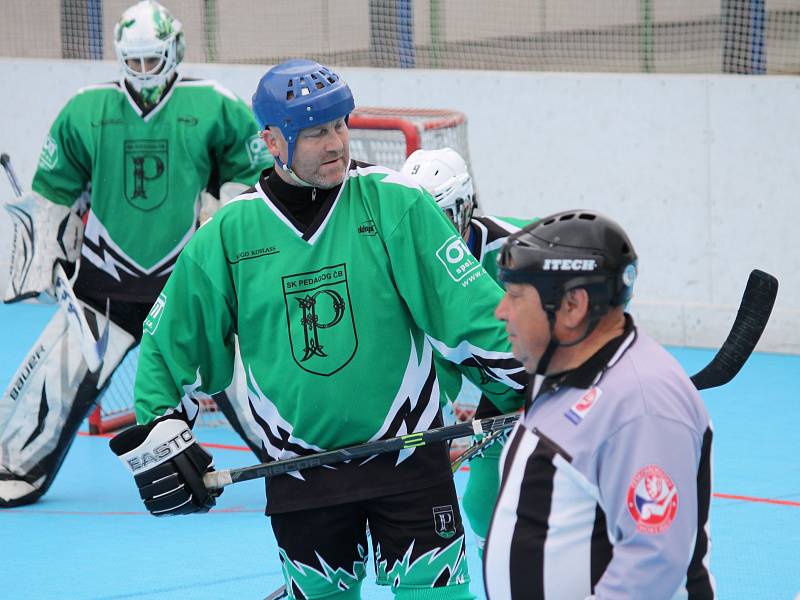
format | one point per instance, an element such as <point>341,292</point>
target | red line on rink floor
<point>17,511</point>
<point>464,468</point>
<point>754,499</point>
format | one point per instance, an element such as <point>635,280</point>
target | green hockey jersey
<point>336,326</point>
<point>144,172</point>
<point>488,234</point>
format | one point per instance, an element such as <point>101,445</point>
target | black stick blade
<point>754,311</point>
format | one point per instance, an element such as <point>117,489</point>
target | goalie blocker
<point>168,466</point>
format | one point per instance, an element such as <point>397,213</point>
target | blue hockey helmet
<point>298,94</point>
<point>568,250</point>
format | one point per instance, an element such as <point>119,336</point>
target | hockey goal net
<point>381,136</point>
<point>387,136</point>
<point>114,408</point>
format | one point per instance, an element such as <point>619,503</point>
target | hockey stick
<point>278,594</point>
<point>218,479</point>
<point>751,319</point>
<point>93,351</point>
<point>476,449</point>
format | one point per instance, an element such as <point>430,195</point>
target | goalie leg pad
<point>44,405</point>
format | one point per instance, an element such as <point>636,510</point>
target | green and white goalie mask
<point>149,46</point>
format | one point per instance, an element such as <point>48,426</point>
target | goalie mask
<point>445,175</point>
<point>149,46</point>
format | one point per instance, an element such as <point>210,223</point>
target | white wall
<point>701,170</point>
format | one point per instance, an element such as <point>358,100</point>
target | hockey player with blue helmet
<point>303,95</point>
<point>338,277</point>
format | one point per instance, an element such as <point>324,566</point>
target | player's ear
<point>271,140</point>
<point>575,306</point>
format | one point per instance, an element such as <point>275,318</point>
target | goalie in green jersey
<point>339,279</point>
<point>444,173</point>
<point>129,159</point>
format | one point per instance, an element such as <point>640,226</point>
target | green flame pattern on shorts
<point>438,567</point>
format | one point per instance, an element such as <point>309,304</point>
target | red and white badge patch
<point>652,500</point>
<point>584,404</point>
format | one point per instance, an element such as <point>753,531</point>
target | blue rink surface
<point>90,538</point>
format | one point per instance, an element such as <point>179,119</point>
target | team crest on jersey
<point>652,500</point>
<point>146,170</point>
<point>319,316</point>
<point>585,403</point>
<point>48,159</point>
<point>444,521</point>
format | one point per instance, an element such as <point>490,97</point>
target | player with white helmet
<point>130,159</point>
<point>148,42</point>
<point>444,173</point>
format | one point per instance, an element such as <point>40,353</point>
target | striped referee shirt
<point>606,484</point>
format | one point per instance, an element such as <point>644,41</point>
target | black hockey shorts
<point>417,540</point>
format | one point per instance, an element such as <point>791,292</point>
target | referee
<point>606,480</point>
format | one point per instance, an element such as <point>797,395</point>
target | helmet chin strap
<point>555,343</point>
<point>552,346</point>
<point>286,169</point>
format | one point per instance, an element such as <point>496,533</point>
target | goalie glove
<point>168,466</point>
<point>43,232</point>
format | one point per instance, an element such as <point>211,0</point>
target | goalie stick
<point>93,350</point>
<point>751,319</point>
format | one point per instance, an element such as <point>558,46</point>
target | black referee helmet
<point>569,250</point>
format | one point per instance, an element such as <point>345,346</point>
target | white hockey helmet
<point>445,175</point>
<point>149,44</point>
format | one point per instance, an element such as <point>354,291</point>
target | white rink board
<point>701,170</point>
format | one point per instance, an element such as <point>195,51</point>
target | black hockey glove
<point>168,466</point>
